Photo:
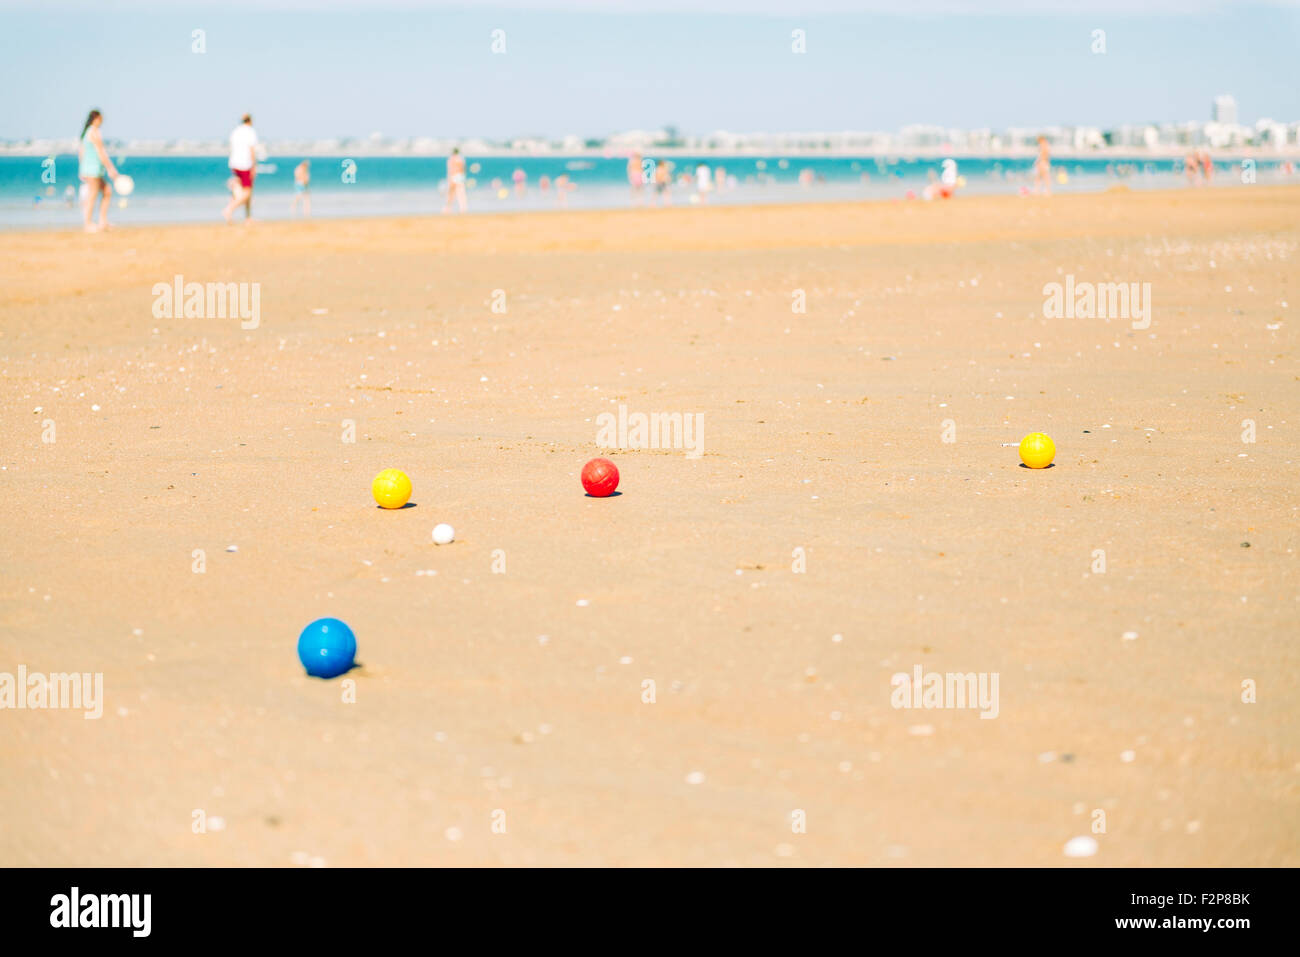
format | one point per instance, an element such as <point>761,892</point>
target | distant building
<point>918,135</point>
<point>530,144</point>
<point>1143,136</point>
<point>634,139</point>
<point>1270,134</point>
<point>1224,109</point>
<point>1088,138</point>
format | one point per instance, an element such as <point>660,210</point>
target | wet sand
<point>827,538</point>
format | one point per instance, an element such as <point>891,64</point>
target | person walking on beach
<point>1043,168</point>
<point>95,170</point>
<point>243,168</point>
<point>456,181</point>
<point>302,187</point>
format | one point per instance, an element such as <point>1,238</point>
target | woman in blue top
<point>96,171</point>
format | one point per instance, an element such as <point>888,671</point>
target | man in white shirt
<point>243,168</point>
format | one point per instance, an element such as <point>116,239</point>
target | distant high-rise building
<point>1224,109</point>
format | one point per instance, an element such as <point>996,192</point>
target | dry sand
<point>822,432</point>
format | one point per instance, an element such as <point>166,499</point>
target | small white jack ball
<point>443,534</point>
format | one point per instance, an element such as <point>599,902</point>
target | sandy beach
<point>855,513</point>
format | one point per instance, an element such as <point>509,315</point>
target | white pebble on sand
<point>695,777</point>
<point>1082,846</point>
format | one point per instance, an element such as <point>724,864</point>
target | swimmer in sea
<point>703,181</point>
<point>1043,168</point>
<point>634,177</point>
<point>947,183</point>
<point>663,183</point>
<point>456,181</point>
<point>302,188</point>
<point>563,186</point>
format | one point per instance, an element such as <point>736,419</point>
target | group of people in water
<point>458,183</point>
<point>650,181</point>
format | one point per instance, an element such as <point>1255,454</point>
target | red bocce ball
<point>600,477</point>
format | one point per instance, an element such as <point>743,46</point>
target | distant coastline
<point>1223,135</point>
<point>297,148</point>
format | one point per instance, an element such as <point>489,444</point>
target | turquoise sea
<point>34,192</point>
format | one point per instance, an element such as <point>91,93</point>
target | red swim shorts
<point>245,177</point>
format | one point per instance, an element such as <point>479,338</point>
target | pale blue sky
<point>404,68</point>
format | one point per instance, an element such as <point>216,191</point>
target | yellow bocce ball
<point>1037,450</point>
<point>391,488</point>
